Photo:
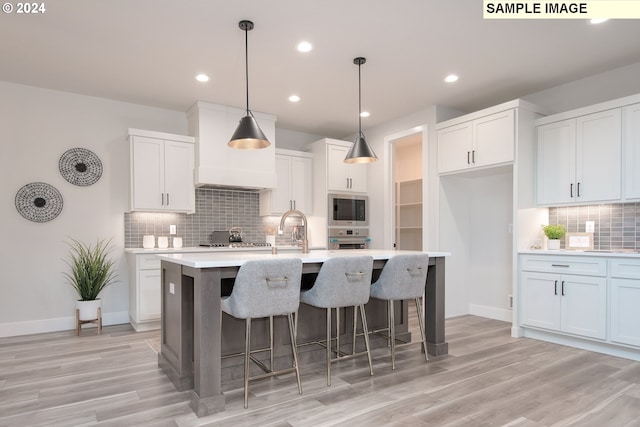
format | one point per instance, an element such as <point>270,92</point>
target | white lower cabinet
<point>144,291</point>
<point>590,302</point>
<point>625,301</point>
<point>564,302</point>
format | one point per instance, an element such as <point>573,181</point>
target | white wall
<point>38,126</point>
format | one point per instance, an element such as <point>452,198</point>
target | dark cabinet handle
<point>162,199</point>
<point>571,190</point>
<point>555,287</point>
<point>562,288</point>
<point>578,194</point>
<point>473,156</point>
<point>468,154</point>
<point>167,199</point>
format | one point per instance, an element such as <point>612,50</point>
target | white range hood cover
<point>219,165</point>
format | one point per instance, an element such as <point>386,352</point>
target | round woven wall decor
<point>39,202</point>
<point>80,167</point>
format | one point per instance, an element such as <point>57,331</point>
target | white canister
<point>148,242</point>
<point>163,242</point>
<point>177,242</point>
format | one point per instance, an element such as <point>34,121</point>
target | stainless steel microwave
<point>348,209</point>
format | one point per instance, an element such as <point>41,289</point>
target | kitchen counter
<point>193,339</point>
<point>614,253</point>
<point>206,249</point>
<point>231,259</point>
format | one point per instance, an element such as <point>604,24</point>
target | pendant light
<point>248,135</point>
<point>360,151</point>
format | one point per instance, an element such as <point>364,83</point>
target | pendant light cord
<point>359,102</point>
<point>246,63</point>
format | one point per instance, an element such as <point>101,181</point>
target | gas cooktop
<point>235,245</point>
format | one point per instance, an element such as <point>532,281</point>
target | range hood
<point>217,164</point>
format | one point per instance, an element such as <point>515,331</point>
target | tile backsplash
<point>216,209</point>
<point>617,226</point>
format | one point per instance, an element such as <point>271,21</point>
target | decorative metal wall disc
<point>80,166</point>
<point>39,202</point>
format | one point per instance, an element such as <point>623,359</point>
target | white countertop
<point>619,253</point>
<point>231,259</point>
<point>206,249</point>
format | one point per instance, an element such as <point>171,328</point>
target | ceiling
<point>148,52</point>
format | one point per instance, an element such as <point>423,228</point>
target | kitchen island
<point>192,336</point>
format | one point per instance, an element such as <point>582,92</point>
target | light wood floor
<point>488,379</point>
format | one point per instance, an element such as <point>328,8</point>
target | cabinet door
<point>281,200</point>
<point>598,156</point>
<point>625,316</point>
<point>632,151</point>
<point>178,176</point>
<point>555,173</point>
<point>337,178</point>
<point>147,173</point>
<point>358,175</point>
<point>540,300</point>
<point>149,295</point>
<point>301,183</point>
<point>494,139</point>
<point>584,305</point>
<point>454,148</point>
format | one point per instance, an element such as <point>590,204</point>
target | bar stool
<point>266,288</point>
<point>402,277</point>
<point>342,282</point>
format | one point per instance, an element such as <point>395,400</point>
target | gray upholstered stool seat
<point>266,288</point>
<point>402,277</point>
<point>342,282</point>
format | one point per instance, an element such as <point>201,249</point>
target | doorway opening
<point>408,192</point>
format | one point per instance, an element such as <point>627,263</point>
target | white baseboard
<point>29,327</point>
<point>503,314</point>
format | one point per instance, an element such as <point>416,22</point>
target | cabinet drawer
<point>565,265</point>
<point>147,262</point>
<point>626,268</point>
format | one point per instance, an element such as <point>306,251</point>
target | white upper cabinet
<point>579,159</point>
<point>632,151</point>
<point>344,177</point>
<point>294,184</point>
<point>556,162</point>
<point>485,141</point>
<point>161,172</point>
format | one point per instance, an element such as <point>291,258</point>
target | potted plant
<point>554,233</point>
<point>91,272</point>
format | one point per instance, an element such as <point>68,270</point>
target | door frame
<point>389,190</point>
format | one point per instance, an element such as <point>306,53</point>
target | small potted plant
<point>91,272</point>
<point>554,233</point>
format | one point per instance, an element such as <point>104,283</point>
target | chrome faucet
<point>305,223</point>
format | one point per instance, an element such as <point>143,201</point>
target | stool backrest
<point>342,282</point>
<point>402,277</point>
<point>266,288</point>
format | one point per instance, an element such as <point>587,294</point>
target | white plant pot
<point>88,310</point>
<point>553,244</point>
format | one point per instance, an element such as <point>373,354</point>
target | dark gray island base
<point>194,339</point>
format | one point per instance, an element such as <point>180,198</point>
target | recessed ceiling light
<point>294,98</point>
<point>304,47</point>
<point>202,78</point>
<point>365,114</point>
<point>598,20</point>
<point>451,78</point>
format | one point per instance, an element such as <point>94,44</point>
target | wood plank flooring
<point>488,379</point>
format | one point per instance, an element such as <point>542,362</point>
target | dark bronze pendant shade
<point>248,135</point>
<point>360,151</point>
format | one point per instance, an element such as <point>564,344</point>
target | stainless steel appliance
<point>222,239</point>
<point>348,238</point>
<point>348,210</point>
